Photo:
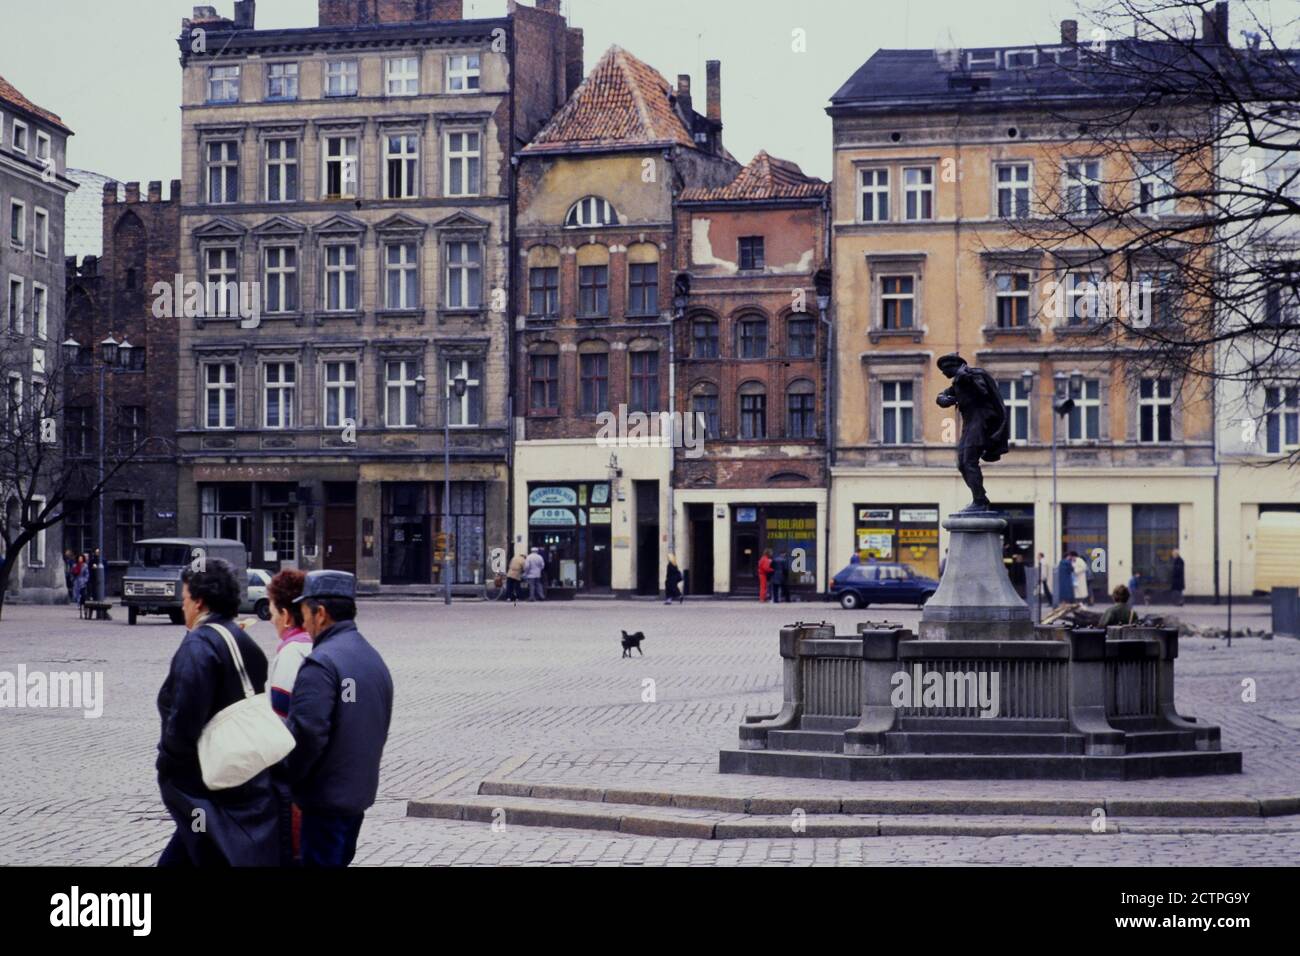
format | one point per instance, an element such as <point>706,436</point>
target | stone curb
<point>859,806</point>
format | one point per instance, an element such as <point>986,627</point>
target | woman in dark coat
<point>233,827</point>
<point>1065,581</point>
<point>673,581</point>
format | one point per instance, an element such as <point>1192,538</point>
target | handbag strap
<point>239,658</point>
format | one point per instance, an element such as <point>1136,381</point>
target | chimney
<point>713,70</point>
<point>549,6</point>
<point>155,190</point>
<point>245,14</point>
<point>110,193</point>
<point>1070,31</point>
<point>1214,24</point>
<point>174,191</point>
<point>360,13</point>
<point>572,60</point>
<point>684,93</point>
<point>133,192</point>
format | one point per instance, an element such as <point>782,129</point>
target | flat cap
<point>328,584</point>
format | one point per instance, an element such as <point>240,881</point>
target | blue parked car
<point>878,582</point>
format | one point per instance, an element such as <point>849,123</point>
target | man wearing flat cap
<point>984,422</point>
<point>341,709</point>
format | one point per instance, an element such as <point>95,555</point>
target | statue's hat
<point>951,360</point>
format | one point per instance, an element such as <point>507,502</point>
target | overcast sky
<point>110,67</point>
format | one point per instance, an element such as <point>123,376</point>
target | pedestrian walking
<point>672,581</point>
<point>295,644</point>
<point>1177,578</point>
<point>1081,590</point>
<point>780,573</point>
<point>69,561</point>
<point>515,577</point>
<point>239,825</point>
<point>534,565</point>
<point>764,572</point>
<point>81,579</point>
<point>340,714</point>
<point>1042,577</point>
<point>1065,581</point>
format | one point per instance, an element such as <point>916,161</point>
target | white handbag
<point>241,740</point>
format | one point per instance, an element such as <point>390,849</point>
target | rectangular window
<point>803,338</point>
<point>544,291</point>
<point>544,383</point>
<point>341,78</point>
<point>1085,417</point>
<point>464,163</point>
<point>467,409</point>
<point>40,310</point>
<point>705,412</point>
<point>18,223</point>
<point>875,195</point>
<point>1155,410</point>
<point>1157,289</point>
<point>41,232</point>
<point>340,393</point>
<point>221,276</point>
<point>281,279</point>
<point>78,429</point>
<point>643,288</point>
<point>463,73</point>
<point>279,385</point>
<point>593,372</point>
<point>78,522</point>
<point>1154,184</point>
<point>802,419</point>
<point>400,399</point>
<point>704,338</point>
<point>130,525</point>
<point>16,304</point>
<point>223,84</point>
<point>1012,294</point>
<point>14,404</point>
<point>20,137</point>
<point>464,275</point>
<point>1013,190</point>
<point>44,151</point>
<point>896,408</point>
<point>1016,398</point>
<point>897,302</point>
<point>401,166</point>
<point>130,427</point>
<point>223,172</point>
<point>40,405</point>
<point>753,415</point>
<point>751,253</point>
<point>280,533</point>
<point>1282,419</point>
<point>1083,187</point>
<point>644,393</point>
<point>593,291</point>
<point>1083,298</point>
<point>340,167</point>
<point>918,193</point>
<point>341,278</point>
<point>753,339</point>
<point>401,276</point>
<point>219,394</point>
<point>282,81</point>
<point>281,170</point>
<point>402,76</point>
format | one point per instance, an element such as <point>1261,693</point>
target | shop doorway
<point>1083,529</point>
<point>407,540</point>
<point>647,536</point>
<point>1155,537</point>
<point>341,526</point>
<point>700,520</point>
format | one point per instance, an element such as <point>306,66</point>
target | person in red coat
<point>764,572</point>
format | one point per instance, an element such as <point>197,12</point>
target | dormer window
<point>591,211</point>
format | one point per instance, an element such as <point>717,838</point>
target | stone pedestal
<point>975,600</point>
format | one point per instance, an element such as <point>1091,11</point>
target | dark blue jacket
<point>341,708</point>
<point>1065,583</point>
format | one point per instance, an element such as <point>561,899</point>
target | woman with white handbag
<point>219,734</point>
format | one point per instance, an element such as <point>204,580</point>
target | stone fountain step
<point>823,741</point>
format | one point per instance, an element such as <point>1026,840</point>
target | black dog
<point>632,640</point>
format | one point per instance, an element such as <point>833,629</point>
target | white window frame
<point>40,309</point>
<point>291,76</point>
<point>13,410</point>
<point>895,407</point>
<point>16,312</point>
<point>1012,293</point>
<point>1073,296</point>
<point>1082,403</point>
<point>408,80</point>
<point>285,389</point>
<point>14,143</point>
<point>464,73</point>
<point>1282,411</point>
<point>1155,403</point>
<point>284,274</point>
<point>897,297</point>
<point>591,212</point>
<point>345,386</point>
<point>983,61</point>
<point>1078,177</point>
<point>407,268</point>
<point>44,145</point>
<point>471,185</point>
<point>336,277</point>
<point>228,167</point>
<point>347,161</point>
<point>460,366</point>
<point>458,274</point>
<point>221,296</point>
<point>17,223</point>
<point>225,81</point>
<point>1017,398</point>
<point>1033,58</point>
<point>277,168</point>
<point>922,192</point>
<point>876,190</point>
<point>407,400</point>
<point>408,156</point>
<point>1012,187</point>
<point>1153,172</point>
<point>338,70</point>
<point>40,232</point>
<point>227,391</point>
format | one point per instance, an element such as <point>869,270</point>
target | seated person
<point>1119,614</point>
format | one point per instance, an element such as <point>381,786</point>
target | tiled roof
<point>766,177</point>
<point>622,102</point>
<point>10,95</point>
<point>83,216</point>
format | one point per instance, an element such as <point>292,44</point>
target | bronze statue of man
<point>985,425</point>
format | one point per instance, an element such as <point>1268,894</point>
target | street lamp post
<point>455,389</point>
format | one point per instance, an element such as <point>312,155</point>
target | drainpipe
<point>512,254</point>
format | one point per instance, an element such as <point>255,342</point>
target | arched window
<point>591,211</point>
<point>544,379</point>
<point>753,410</point>
<point>801,336</point>
<point>751,337</point>
<point>801,410</point>
<point>704,409</point>
<point>704,337</point>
